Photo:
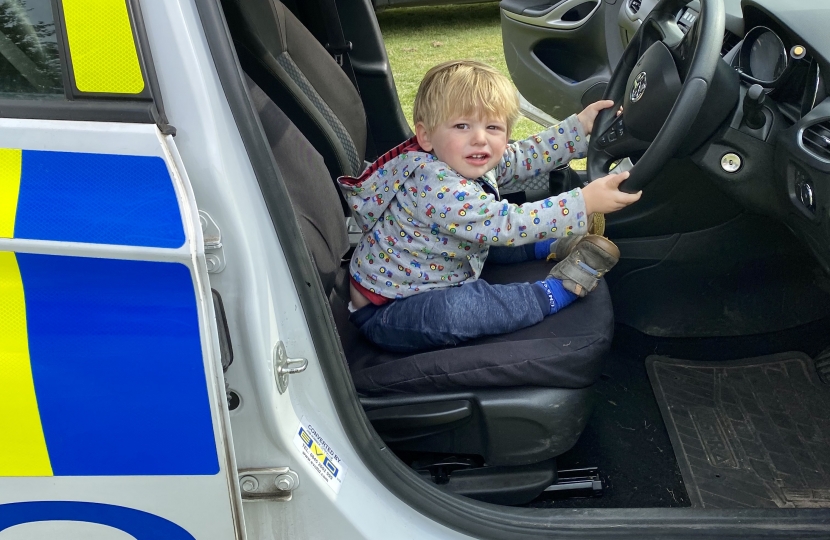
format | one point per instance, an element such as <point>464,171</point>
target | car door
<point>561,53</point>
<point>112,414</point>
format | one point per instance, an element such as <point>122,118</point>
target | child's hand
<point>587,117</point>
<point>603,194</point>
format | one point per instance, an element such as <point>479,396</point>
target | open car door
<point>112,411</point>
<point>561,53</point>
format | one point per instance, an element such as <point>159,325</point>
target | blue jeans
<point>452,315</point>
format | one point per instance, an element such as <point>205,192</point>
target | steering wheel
<point>661,80</point>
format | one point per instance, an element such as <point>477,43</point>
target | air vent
<point>816,140</point>
<point>634,5</point>
<point>729,42</point>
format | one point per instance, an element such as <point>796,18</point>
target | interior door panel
<point>561,53</point>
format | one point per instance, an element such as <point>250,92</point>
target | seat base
<point>505,426</point>
<point>510,485</point>
<point>502,485</point>
<point>514,400</point>
<point>584,482</point>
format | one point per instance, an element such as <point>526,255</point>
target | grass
<point>421,37</point>
<point>418,38</point>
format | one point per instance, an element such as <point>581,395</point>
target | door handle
<point>565,15</point>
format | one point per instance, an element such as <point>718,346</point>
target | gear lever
<point>754,107</point>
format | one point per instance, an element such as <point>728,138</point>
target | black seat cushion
<point>565,350</point>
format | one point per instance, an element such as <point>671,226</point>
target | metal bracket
<point>284,366</point>
<point>573,481</point>
<point>214,255</point>
<point>276,484</point>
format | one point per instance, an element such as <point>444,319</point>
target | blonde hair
<point>465,88</point>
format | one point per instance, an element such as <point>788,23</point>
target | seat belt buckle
<point>339,51</point>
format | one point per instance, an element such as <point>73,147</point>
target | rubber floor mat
<point>751,433</point>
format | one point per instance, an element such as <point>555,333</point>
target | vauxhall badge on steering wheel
<point>639,87</point>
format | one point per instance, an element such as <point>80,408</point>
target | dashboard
<point>777,141</point>
<point>785,49</point>
<point>783,66</point>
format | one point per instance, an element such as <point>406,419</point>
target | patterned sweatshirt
<point>425,226</point>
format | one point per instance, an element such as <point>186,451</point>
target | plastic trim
<point>145,56</point>
<point>137,112</point>
<point>552,18</point>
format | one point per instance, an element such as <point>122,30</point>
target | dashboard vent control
<point>634,5</point>
<point>802,190</point>
<point>806,196</point>
<point>816,140</point>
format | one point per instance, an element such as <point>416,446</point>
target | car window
<point>29,63</point>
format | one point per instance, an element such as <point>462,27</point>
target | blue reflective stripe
<point>97,198</point>
<point>141,525</point>
<point>117,366</point>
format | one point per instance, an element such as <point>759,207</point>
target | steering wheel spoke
<point>682,49</point>
<point>617,142</point>
<point>661,26</point>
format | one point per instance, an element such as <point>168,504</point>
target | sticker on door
<point>320,455</point>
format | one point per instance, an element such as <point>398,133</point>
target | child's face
<point>471,146</point>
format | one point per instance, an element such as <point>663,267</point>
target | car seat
<point>485,419</point>
<point>303,80</point>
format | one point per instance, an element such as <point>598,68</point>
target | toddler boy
<point>431,213</point>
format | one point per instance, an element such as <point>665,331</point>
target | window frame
<point>145,107</point>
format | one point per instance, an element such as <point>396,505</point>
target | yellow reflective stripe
<point>101,45</point>
<point>10,162</point>
<point>22,444</point>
